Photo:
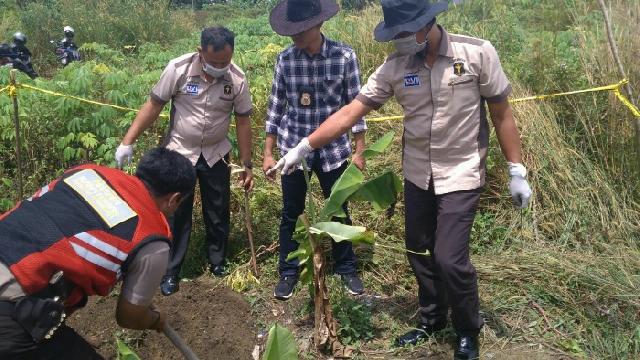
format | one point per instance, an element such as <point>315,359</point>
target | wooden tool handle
<point>179,343</point>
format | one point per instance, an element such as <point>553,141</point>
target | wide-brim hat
<point>292,17</point>
<point>406,15</point>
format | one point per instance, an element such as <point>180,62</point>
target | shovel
<point>179,343</point>
<point>247,221</point>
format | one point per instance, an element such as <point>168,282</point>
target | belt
<point>7,307</point>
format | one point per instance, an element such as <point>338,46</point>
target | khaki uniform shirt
<point>200,110</point>
<point>445,126</point>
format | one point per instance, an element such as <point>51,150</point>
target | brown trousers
<point>442,225</point>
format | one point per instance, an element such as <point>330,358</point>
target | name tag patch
<point>411,80</point>
<point>192,89</point>
<point>101,197</point>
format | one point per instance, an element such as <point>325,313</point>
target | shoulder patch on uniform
<point>101,197</point>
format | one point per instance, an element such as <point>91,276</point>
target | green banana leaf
<point>379,146</point>
<point>351,180</point>
<point>348,183</point>
<point>381,192</point>
<point>341,232</point>
<point>281,344</point>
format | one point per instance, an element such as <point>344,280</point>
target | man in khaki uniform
<point>443,82</point>
<point>205,88</point>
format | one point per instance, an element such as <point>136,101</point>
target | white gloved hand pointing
<point>519,187</point>
<point>290,161</point>
<point>124,152</point>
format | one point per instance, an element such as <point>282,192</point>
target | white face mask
<point>409,45</point>
<point>214,71</point>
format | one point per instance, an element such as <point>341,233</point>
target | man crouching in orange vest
<point>78,236</point>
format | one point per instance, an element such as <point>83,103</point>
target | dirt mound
<point>215,321</point>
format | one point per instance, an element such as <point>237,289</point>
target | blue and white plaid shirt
<point>332,79</point>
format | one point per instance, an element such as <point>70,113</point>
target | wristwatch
<point>248,164</point>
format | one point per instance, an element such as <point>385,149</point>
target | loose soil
<point>215,321</point>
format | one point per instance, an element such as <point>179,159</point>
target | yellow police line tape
<point>13,91</point>
<point>613,87</point>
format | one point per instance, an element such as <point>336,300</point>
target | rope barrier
<point>613,87</point>
<point>13,91</point>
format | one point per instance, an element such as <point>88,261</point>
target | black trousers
<point>294,190</point>
<point>215,193</point>
<point>442,224</point>
<point>16,344</point>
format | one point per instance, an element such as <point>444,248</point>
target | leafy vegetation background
<point>564,274</point>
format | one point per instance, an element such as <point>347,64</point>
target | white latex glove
<point>519,187</point>
<point>124,152</point>
<point>289,162</point>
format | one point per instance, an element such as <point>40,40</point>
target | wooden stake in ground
<point>247,222</point>
<point>616,57</point>
<point>16,123</point>
<point>177,341</point>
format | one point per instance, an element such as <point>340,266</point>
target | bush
<point>116,23</point>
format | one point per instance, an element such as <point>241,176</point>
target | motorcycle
<point>66,54</point>
<point>15,60</point>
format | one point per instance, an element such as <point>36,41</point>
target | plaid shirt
<point>332,79</point>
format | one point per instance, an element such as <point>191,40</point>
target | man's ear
<point>174,199</point>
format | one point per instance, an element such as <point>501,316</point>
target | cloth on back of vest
<point>101,197</point>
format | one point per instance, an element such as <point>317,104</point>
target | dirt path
<point>215,321</point>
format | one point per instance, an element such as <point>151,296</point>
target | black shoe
<point>285,287</point>
<point>416,335</point>
<point>467,348</point>
<point>353,284</point>
<point>169,285</point>
<point>218,270</point>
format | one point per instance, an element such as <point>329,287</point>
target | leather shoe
<point>416,335</point>
<point>218,270</point>
<point>169,285</point>
<point>467,348</point>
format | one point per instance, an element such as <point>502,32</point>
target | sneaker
<point>285,287</point>
<point>353,284</point>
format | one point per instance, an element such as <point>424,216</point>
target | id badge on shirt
<point>192,89</point>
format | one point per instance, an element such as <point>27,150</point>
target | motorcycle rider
<point>22,60</point>
<point>66,49</point>
<point>67,41</point>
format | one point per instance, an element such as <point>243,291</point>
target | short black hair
<point>218,37</point>
<point>165,171</point>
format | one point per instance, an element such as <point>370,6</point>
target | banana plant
<point>315,227</point>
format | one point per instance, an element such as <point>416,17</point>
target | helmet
<point>19,38</point>
<point>68,31</point>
